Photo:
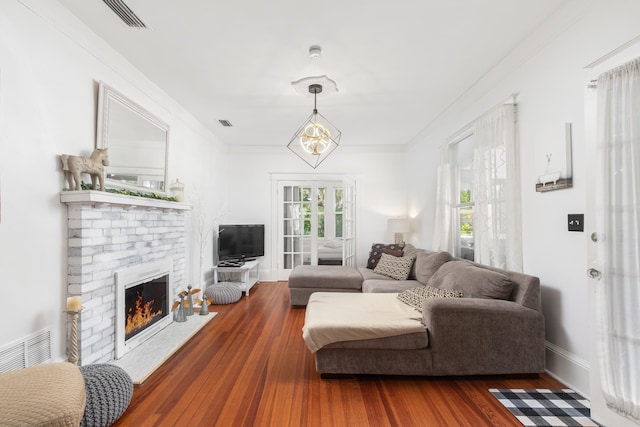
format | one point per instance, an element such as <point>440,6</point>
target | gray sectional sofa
<point>496,327</point>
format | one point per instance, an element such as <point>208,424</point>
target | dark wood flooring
<point>250,367</point>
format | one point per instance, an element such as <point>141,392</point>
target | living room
<point>50,67</point>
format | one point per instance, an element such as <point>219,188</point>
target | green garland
<point>126,192</point>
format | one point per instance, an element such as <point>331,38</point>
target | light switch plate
<point>575,222</point>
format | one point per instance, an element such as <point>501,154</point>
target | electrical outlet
<point>575,222</point>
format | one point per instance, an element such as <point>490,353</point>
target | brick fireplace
<point>108,233</point>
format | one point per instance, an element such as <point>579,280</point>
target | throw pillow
<point>473,281</point>
<point>410,250</point>
<point>395,267</point>
<point>416,296</point>
<point>427,263</point>
<point>377,249</point>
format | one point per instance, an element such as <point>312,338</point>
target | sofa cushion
<point>410,250</point>
<point>387,285</point>
<point>414,297</point>
<point>393,266</point>
<point>370,275</point>
<point>325,277</point>
<point>427,263</point>
<point>472,280</point>
<point>377,249</point>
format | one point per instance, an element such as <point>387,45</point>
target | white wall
<point>50,66</point>
<point>551,82</point>
<point>381,193</point>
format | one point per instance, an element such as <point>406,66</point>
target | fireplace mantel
<point>92,197</point>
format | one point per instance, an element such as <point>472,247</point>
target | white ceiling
<point>397,64</point>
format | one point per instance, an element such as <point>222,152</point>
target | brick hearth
<point>109,232</point>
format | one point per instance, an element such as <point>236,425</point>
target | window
<point>463,205</point>
<point>478,193</point>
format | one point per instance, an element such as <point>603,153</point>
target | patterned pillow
<point>416,296</point>
<point>395,267</point>
<point>377,249</point>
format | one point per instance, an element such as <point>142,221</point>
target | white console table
<point>244,277</point>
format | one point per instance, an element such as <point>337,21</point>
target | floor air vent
<point>31,350</point>
<point>123,11</point>
<point>225,123</point>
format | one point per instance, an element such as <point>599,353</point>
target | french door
<point>315,224</point>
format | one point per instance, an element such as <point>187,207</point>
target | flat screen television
<point>240,242</point>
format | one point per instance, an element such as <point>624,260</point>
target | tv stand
<point>243,276</point>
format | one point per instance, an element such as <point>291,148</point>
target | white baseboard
<point>567,368</point>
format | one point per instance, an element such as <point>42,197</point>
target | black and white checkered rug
<point>544,407</point>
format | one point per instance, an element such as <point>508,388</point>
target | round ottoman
<point>52,394</point>
<point>223,294</point>
<point>109,389</point>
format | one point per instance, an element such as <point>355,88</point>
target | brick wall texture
<point>104,239</point>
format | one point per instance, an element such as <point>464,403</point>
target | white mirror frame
<point>107,94</point>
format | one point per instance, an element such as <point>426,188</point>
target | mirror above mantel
<point>138,143</point>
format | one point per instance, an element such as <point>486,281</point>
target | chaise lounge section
<point>496,327</point>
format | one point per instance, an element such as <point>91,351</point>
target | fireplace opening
<point>143,294</point>
<point>144,305</point>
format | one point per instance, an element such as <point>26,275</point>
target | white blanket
<point>335,317</point>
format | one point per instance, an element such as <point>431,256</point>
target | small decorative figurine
<point>178,309</point>
<point>204,305</point>
<point>189,311</point>
<point>188,304</point>
<point>73,166</point>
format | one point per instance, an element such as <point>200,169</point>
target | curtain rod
<point>457,136</point>
<point>614,52</point>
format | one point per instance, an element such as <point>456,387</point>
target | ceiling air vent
<point>123,11</point>
<point>225,123</point>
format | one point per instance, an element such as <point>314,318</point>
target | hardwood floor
<point>250,367</point>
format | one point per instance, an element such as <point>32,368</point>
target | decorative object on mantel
<point>555,179</point>
<point>317,137</point>
<point>177,191</point>
<point>73,309</point>
<point>73,166</point>
<point>178,309</point>
<point>125,192</point>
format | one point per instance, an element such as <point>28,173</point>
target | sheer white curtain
<point>497,226</point>
<point>443,234</point>
<point>618,219</point>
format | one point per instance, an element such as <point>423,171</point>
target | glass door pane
<point>296,229</point>
<point>339,211</point>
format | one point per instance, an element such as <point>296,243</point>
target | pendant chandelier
<point>317,137</point>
